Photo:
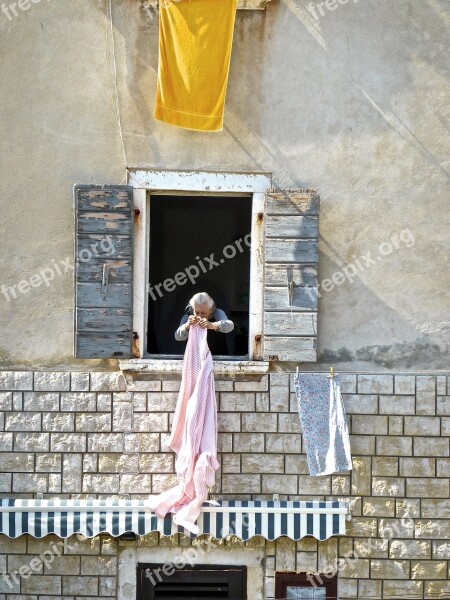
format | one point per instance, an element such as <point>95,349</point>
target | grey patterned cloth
<point>324,423</point>
<point>305,593</point>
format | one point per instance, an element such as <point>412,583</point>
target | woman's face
<point>202,311</point>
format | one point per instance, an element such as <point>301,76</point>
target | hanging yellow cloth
<point>195,39</point>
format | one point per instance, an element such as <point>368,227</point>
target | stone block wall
<point>79,435</point>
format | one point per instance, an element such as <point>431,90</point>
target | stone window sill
<point>221,367</point>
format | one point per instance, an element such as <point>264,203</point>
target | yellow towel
<point>195,39</point>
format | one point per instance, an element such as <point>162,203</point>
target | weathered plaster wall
<point>352,103</point>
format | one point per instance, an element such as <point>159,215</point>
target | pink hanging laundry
<point>193,437</point>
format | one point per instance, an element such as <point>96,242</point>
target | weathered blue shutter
<point>290,276</point>
<point>103,271</point>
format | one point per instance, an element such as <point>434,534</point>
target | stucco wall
<point>351,103</point>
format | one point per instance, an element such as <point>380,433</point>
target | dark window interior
<point>202,582</point>
<point>305,586</point>
<point>184,232</point>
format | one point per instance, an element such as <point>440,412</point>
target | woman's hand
<point>191,321</point>
<point>205,324</point>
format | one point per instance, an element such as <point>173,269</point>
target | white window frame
<point>146,183</point>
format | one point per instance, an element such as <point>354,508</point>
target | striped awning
<point>243,519</point>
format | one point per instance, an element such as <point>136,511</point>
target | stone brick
<point>161,401</point>
<point>441,550</point>
<point>162,482</point>
<point>6,401</point>
<point>107,587</point>
<point>371,548</point>
<point>229,422</point>
<point>151,422</point>
<point>72,473</point>
<point>259,422</point>
<point>388,486</point>
<point>54,483</point>
<point>29,483</point>
<point>78,402</point>
<point>100,484</point>
<point>104,402</point>
<point>139,403</point>
<point>355,569</point>
<point>443,467</point>
<point>404,384</point>
<point>23,421</point>
<point>5,482</point>
<point>408,508</point>
<point>363,424</point>
<point>273,484</point>
<point>287,423</point>
<point>102,565</point>
<point>394,446</point>
<point>78,586</point>
<point>397,405</point>
<point>48,463</point>
<point>340,484</point>
<point>6,442</point>
<point>429,446</point>
<point>104,442</point>
<point>437,529</point>
<point>328,554</point>
<point>16,462</point>
<point>58,422</point>
<point>51,381</point>
<point>437,589</point>
<point>378,507</point>
<point>98,422</point>
<point>385,465</point>
<point>262,402</point>
<point>141,442</point>
<point>64,565</point>
<point>90,463</point>
<point>441,385</point>
<point>417,467</point>
<point>361,476</point>
<point>426,395</point>
<point>436,508</point>
<point>17,403</point>
<point>348,588</point>
<point>445,426</point>
<point>248,442</point>
<point>29,442</point>
<point>135,484</point>
<point>422,425</point>
<point>307,562</point>
<point>263,463</point>
<point>443,405</point>
<point>122,416</point>
<point>361,404</point>
<point>109,382</point>
<point>368,589</point>
<point>389,569</point>
<point>68,442</point>
<point>241,484</point>
<point>225,442</point>
<point>252,386</point>
<point>399,589</point>
<point>231,463</point>
<point>241,402</point>
<point>347,383</point>
<point>156,463</point>
<point>428,569</point>
<point>375,384</point>
<point>396,528</point>
<point>313,485</point>
<point>285,443</point>
<point>408,549</point>
<point>79,382</point>
<point>362,444</point>
<point>41,584</point>
<point>395,425</point>
<point>16,380</point>
<point>296,464</point>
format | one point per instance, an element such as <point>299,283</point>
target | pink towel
<point>193,437</point>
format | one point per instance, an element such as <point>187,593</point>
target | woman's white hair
<point>202,298</point>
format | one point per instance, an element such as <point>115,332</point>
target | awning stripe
<point>243,519</point>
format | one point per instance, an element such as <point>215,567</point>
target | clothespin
<point>297,371</point>
<point>290,286</point>
<point>331,373</point>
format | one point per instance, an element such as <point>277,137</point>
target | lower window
<point>305,586</point>
<point>202,582</point>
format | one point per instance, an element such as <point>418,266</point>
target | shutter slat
<point>291,253</point>
<point>103,271</point>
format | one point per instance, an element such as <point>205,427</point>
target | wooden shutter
<point>103,271</point>
<point>291,254</point>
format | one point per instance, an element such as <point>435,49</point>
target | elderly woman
<point>202,312</point>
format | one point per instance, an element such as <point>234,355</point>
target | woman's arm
<point>225,325</point>
<point>182,334</point>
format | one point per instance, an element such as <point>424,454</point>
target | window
<point>122,246</point>
<point>305,586</point>
<point>157,581</point>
